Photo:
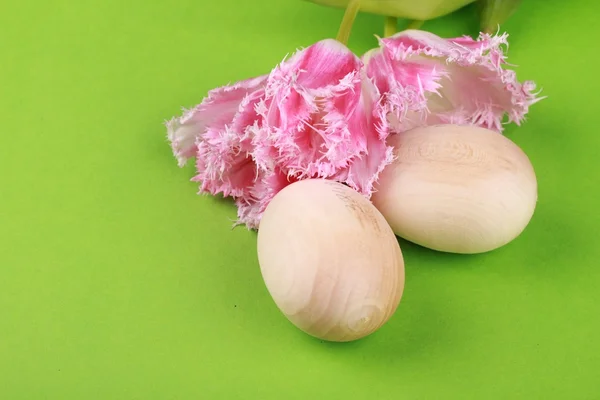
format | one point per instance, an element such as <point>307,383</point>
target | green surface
<point>118,282</point>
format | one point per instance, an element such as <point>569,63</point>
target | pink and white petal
<point>252,206</point>
<point>364,172</point>
<point>223,165</point>
<point>474,88</point>
<point>320,65</point>
<point>217,109</point>
<point>314,140</point>
<point>309,100</point>
<point>370,119</point>
<point>248,213</point>
<point>410,42</point>
<point>275,139</point>
<point>247,116</point>
<point>405,86</point>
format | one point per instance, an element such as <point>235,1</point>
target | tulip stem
<point>390,26</point>
<point>348,20</point>
<point>415,24</point>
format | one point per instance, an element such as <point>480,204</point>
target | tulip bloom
<point>314,116</point>
<point>325,113</point>
<point>428,80</point>
<point>320,118</point>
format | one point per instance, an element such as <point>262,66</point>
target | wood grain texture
<point>330,260</point>
<point>457,189</point>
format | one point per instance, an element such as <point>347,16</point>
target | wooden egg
<point>458,189</point>
<point>330,261</point>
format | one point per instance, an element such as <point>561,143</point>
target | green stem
<point>390,26</point>
<point>415,24</point>
<point>348,20</point>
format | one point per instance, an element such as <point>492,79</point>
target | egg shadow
<point>421,325</point>
<point>428,324</point>
<point>549,248</point>
<point>425,323</point>
<point>419,331</point>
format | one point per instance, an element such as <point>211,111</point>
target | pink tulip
<point>429,80</point>
<point>321,118</point>
<point>314,116</point>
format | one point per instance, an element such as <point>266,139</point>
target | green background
<point>118,282</point>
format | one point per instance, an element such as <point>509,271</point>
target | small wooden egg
<point>458,189</point>
<point>330,261</point>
